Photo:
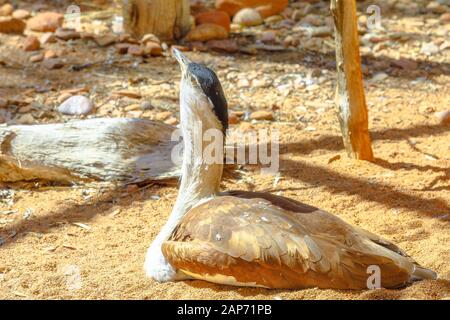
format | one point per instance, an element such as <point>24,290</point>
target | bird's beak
<point>182,60</point>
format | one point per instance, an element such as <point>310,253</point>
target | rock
<point>443,117</point>
<point>37,57</point>
<point>445,18</point>
<point>3,103</point>
<point>313,20</point>
<point>21,14</point>
<point>128,94</point>
<point>48,37</point>
<point>243,83</point>
<point>135,50</point>
<point>379,77</point>
<point>248,17</point>
<point>76,105</point>
<point>291,41</point>
<point>25,119</point>
<point>67,34</point>
<point>11,25</point>
<point>52,64</point>
<point>164,115</point>
<point>429,49</point>
<point>105,40</point>
<point>50,54</point>
<point>45,22</point>
<point>31,43</point>
<point>233,118</point>
<point>199,46</point>
<point>122,48</point>
<point>153,48</point>
<point>220,18</point>
<point>171,121</point>
<point>323,31</point>
<point>150,37</point>
<point>228,45</point>
<point>6,10</point>
<point>268,36</point>
<point>406,64</point>
<point>207,31</point>
<point>262,115</point>
<point>266,8</point>
<point>273,19</point>
<point>146,105</point>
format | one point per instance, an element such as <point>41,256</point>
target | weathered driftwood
<point>102,149</point>
<point>167,19</point>
<point>350,97</point>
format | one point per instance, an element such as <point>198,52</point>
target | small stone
<point>164,115</point>
<point>25,119</point>
<point>122,48</point>
<point>207,31</point>
<point>48,37</point>
<point>6,10</point>
<point>128,94</point>
<point>406,64</point>
<point>146,105</point>
<point>11,25</point>
<point>443,117</point>
<point>233,118</point>
<point>243,83</point>
<point>220,18</point>
<point>171,121</point>
<point>262,115</point>
<point>50,54</point>
<point>52,64</point>
<point>132,107</point>
<point>153,48</point>
<point>150,37</point>
<point>67,34</point>
<point>45,22</point>
<point>31,43</point>
<point>268,36</point>
<point>135,50</point>
<point>323,31</point>
<point>248,17</point>
<point>21,14</point>
<point>445,18</point>
<point>228,45</point>
<point>429,49</point>
<point>379,77</point>
<point>37,57</point>
<point>76,105</point>
<point>105,40</point>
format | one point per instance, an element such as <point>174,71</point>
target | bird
<point>257,239</point>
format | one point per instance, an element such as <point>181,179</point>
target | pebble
<point>380,76</point>
<point>233,118</point>
<point>122,48</point>
<point>25,119</point>
<point>105,40</point>
<point>52,64</point>
<point>220,18</point>
<point>228,45</point>
<point>150,37</point>
<point>50,54</point>
<point>11,25</point>
<point>207,31</point>
<point>67,34</point>
<point>48,37</point>
<point>45,22</point>
<point>248,17</point>
<point>146,105</point>
<point>31,43</point>
<point>261,115</point>
<point>429,49</point>
<point>443,117</point>
<point>37,57</point>
<point>76,105</point>
<point>21,14</point>
<point>153,48</point>
<point>268,36</point>
<point>323,31</point>
<point>164,115</point>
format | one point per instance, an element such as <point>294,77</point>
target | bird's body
<point>258,239</point>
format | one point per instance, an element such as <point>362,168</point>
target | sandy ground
<point>101,234</point>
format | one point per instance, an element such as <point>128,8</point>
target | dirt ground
<point>49,233</point>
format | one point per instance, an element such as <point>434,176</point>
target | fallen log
<point>101,149</point>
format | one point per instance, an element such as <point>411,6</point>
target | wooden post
<point>350,97</point>
<point>167,19</point>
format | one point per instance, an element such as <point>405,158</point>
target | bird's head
<point>201,95</point>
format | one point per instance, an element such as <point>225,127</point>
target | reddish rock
<point>31,43</point>
<point>50,54</point>
<point>248,17</point>
<point>153,48</point>
<point>37,57</point>
<point>11,25</point>
<point>135,50</point>
<point>220,18</point>
<point>48,38</point>
<point>21,14</point>
<point>261,115</point>
<point>266,8</point>
<point>105,40</point>
<point>45,22</point>
<point>67,34</point>
<point>122,48</point>
<point>207,31</point>
<point>233,118</point>
<point>227,45</point>
<point>52,64</point>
